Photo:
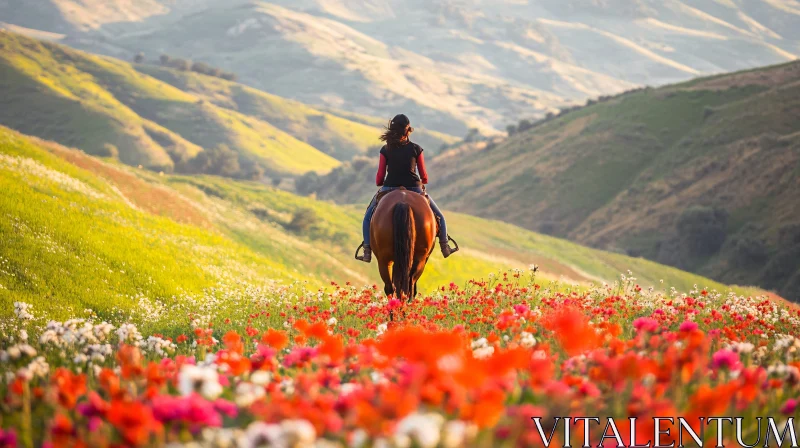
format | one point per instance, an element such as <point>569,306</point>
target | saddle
<point>380,194</point>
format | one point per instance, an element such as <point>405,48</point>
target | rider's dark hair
<point>397,129</point>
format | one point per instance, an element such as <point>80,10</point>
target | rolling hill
<point>148,241</point>
<point>164,122</point>
<point>452,64</point>
<point>703,175</point>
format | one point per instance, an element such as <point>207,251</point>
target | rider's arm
<point>381,171</point>
<point>423,175</point>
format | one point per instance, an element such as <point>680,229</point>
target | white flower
<point>332,321</point>
<point>261,378</point>
<point>161,347</point>
<point>359,438</point>
<point>23,310</point>
<point>204,380</point>
<point>347,388</point>
<point>297,433</point>
<point>287,386</point>
<point>480,343</point>
<point>39,367</point>
<point>248,393</point>
<point>211,390</point>
<point>129,334</point>
<point>483,352</point>
<point>381,329</point>
<point>458,433</point>
<point>424,429</point>
<point>527,340</point>
<point>260,434</point>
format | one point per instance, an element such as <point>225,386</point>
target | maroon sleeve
<point>423,175</point>
<point>381,171</point>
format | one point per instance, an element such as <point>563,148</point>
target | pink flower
<point>726,359</point>
<point>521,309</point>
<point>394,304</point>
<point>226,407</point>
<point>588,389</point>
<point>167,408</point>
<point>299,356</point>
<point>688,326</point>
<point>201,412</point>
<point>94,424</point>
<point>646,324</point>
<point>8,438</point>
<point>789,407</point>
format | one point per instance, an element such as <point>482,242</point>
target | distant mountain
<point>704,176</point>
<point>452,64</point>
<point>166,119</point>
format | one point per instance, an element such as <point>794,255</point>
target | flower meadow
<point>350,367</point>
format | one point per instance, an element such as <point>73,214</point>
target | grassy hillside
<point>338,134</point>
<point>108,108</point>
<point>703,175</point>
<point>81,232</point>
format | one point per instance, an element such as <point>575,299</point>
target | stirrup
<point>361,246</point>
<point>455,243</point>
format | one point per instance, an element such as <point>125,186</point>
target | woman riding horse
<point>399,162</point>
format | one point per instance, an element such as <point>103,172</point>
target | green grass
<point>95,103</point>
<point>334,135</point>
<point>82,233</point>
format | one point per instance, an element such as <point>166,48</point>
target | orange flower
<point>134,421</point>
<point>233,342</point>
<point>318,330</point>
<point>333,347</point>
<point>110,382</point>
<point>130,361</point>
<point>488,408</point>
<point>709,401</point>
<point>155,375</point>
<point>70,387</point>
<point>237,363</point>
<point>276,339</point>
<point>572,330</point>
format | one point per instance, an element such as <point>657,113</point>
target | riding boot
<point>367,257</point>
<point>446,249</point>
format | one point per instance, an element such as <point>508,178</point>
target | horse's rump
<point>402,235</point>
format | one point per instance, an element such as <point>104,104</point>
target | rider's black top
<point>401,164</point>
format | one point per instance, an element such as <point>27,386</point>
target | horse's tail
<point>405,235</point>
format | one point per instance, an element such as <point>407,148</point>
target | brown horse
<point>402,236</point>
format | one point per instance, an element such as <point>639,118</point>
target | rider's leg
<point>366,222</point>
<point>367,257</point>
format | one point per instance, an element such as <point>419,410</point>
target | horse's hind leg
<point>386,276</point>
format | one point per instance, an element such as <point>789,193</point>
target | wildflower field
<point>462,366</point>
<point>145,310</point>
